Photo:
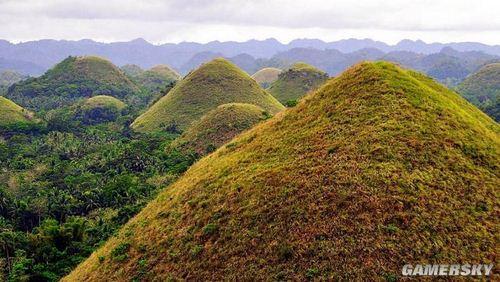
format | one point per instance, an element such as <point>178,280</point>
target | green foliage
<point>311,273</point>
<point>67,186</point>
<point>209,229</point>
<point>297,81</point>
<point>483,89</point>
<point>74,79</point>
<point>196,250</point>
<point>291,103</point>
<point>120,252</point>
<point>99,109</point>
<point>156,79</point>
<point>213,84</point>
<point>218,127</point>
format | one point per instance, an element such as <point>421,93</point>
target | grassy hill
<point>295,82</point>
<point>73,79</point>
<point>266,76</point>
<point>157,78</point>
<point>379,167</point>
<point>218,127</point>
<point>11,113</point>
<point>483,89</point>
<point>214,83</point>
<point>103,101</point>
<point>100,109</point>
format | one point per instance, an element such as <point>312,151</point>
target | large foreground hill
<point>378,168</point>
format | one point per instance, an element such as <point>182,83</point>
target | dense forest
<point>66,187</point>
<point>74,174</point>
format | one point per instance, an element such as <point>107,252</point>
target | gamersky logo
<point>447,270</point>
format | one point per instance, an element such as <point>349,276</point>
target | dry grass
<point>218,127</point>
<point>378,168</point>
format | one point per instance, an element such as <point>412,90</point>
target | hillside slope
<point>73,79</point>
<point>266,76</point>
<point>295,82</point>
<point>379,167</point>
<point>483,89</point>
<point>218,127</point>
<point>214,83</point>
<point>11,113</point>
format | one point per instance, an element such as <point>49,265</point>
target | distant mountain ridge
<point>34,57</point>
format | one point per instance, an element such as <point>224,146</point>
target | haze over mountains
<point>34,57</point>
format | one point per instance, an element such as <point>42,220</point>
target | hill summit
<point>483,89</point>
<point>218,127</point>
<point>215,83</point>
<point>157,78</point>
<point>379,167</point>
<point>295,82</point>
<point>72,79</point>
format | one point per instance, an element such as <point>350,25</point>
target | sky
<point>162,21</point>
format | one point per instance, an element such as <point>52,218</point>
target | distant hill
<point>295,82</point>
<point>217,127</point>
<point>378,167</point>
<point>100,109</point>
<point>35,57</point>
<point>73,79</point>
<point>214,83</point>
<point>449,66</point>
<point>7,78</point>
<point>132,70</point>
<point>19,66</point>
<point>198,59</point>
<point>266,76</point>
<point>12,114</point>
<point>156,78</point>
<point>483,89</point>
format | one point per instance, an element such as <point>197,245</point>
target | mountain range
<point>35,57</point>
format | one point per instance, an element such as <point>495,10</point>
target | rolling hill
<point>379,167</point>
<point>132,70</point>
<point>266,76</point>
<point>483,89</point>
<point>218,127</point>
<point>71,80</point>
<point>101,108</point>
<point>7,78</point>
<point>11,113</point>
<point>214,83</point>
<point>157,78</point>
<point>295,82</point>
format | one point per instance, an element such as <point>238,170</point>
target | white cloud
<point>204,20</point>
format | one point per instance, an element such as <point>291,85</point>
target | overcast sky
<point>161,21</point>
